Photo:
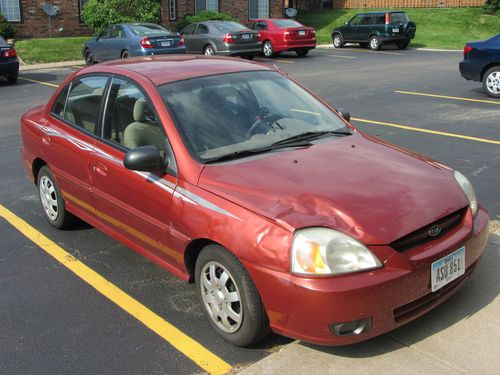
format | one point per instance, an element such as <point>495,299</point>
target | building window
<point>82,4</point>
<point>11,10</point>
<point>258,9</point>
<point>172,9</point>
<point>201,5</point>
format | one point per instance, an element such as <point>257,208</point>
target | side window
<point>261,26</point>
<point>189,30</point>
<point>356,21</point>
<point>106,33</point>
<point>379,19</point>
<point>367,20</point>
<point>83,102</point>
<point>119,32</point>
<point>201,29</point>
<point>130,120</point>
<point>60,103</point>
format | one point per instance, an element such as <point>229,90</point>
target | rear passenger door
<point>134,205</point>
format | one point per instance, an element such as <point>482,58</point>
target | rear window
<point>399,18</point>
<point>148,30</point>
<point>229,26</point>
<point>286,23</point>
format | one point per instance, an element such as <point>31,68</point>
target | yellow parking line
<point>183,343</point>
<point>374,52</point>
<point>274,60</point>
<point>448,97</point>
<point>40,82</point>
<point>335,55</point>
<point>412,128</point>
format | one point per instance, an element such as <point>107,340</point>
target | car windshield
<point>148,30</point>
<point>230,114</point>
<point>287,23</point>
<point>399,18</point>
<point>229,26</point>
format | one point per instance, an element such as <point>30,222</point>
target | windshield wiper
<point>310,136</point>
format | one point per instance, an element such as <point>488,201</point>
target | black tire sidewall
<point>378,43</point>
<point>488,72</point>
<point>255,325</point>
<point>64,218</point>
<point>125,54</point>
<point>341,40</point>
<point>89,58</point>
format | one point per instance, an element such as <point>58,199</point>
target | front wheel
<point>229,297</point>
<point>491,82</point>
<point>89,58</point>
<point>302,53</point>
<point>338,41</point>
<point>52,201</point>
<point>375,43</point>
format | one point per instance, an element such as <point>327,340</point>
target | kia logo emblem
<point>434,231</point>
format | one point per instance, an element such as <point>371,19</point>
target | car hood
<point>359,185</point>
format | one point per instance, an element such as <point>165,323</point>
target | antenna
<point>51,11</point>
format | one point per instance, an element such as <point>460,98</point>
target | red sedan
<point>279,35</point>
<point>230,175</point>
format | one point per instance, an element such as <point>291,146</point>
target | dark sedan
<point>482,63</point>
<point>9,64</point>
<point>127,40</point>
<point>221,38</point>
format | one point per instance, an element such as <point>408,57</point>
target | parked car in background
<point>375,29</point>
<point>229,174</point>
<point>9,63</point>
<point>226,38</point>
<point>279,35</point>
<point>133,39</point>
<point>482,63</point>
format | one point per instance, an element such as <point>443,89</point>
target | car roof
<point>165,69</point>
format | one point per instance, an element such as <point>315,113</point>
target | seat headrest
<point>139,114</point>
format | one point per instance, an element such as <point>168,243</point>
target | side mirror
<point>346,23</point>
<point>144,159</point>
<point>346,115</point>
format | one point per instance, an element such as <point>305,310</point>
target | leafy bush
<point>209,15</point>
<point>99,14</point>
<point>492,7</point>
<point>6,29</point>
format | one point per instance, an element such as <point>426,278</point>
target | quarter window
<point>11,10</point>
<point>258,9</point>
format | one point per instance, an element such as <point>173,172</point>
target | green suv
<point>375,29</point>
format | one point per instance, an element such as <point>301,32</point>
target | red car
<point>279,35</point>
<point>230,175</point>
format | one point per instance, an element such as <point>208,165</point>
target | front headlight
<point>323,251</point>
<point>468,190</point>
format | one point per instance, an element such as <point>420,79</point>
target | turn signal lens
<point>309,257</point>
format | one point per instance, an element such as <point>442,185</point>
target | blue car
<point>132,39</point>
<point>482,63</point>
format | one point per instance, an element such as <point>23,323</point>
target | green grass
<point>50,50</point>
<point>447,28</point>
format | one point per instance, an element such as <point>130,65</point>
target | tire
<point>302,53</point>
<point>375,43</point>
<point>338,41</point>
<point>89,58</point>
<point>491,82</point>
<point>268,49</point>
<point>12,78</point>
<point>125,55</point>
<point>248,322</point>
<point>209,50</point>
<point>402,45</point>
<point>51,200</point>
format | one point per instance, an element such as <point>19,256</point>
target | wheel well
<point>485,69</point>
<point>191,254</point>
<point>373,34</point>
<point>35,167</point>
<point>123,50</point>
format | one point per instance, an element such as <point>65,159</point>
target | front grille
<point>430,300</point>
<point>421,236</point>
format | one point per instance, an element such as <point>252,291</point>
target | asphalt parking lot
<point>52,321</point>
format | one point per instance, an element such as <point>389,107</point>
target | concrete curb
<point>60,64</point>
<point>330,46</point>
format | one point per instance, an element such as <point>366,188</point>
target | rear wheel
<point>491,82</point>
<point>375,43</point>
<point>89,57</point>
<point>126,54</point>
<point>229,297</point>
<point>302,53</point>
<point>338,41</point>
<point>268,49</point>
<point>12,78</point>
<point>402,45</point>
<point>209,50</point>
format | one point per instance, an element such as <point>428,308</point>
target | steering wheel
<point>266,120</point>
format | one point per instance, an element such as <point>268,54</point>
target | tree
<point>7,31</point>
<point>492,7</point>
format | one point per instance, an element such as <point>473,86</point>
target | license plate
<point>165,43</point>
<point>302,32</point>
<point>395,29</point>
<point>447,269</point>
<point>245,36</point>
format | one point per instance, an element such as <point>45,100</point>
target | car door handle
<point>100,168</point>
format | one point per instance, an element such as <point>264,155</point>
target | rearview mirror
<point>144,159</point>
<point>346,115</point>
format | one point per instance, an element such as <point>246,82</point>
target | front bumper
<point>8,68</point>
<point>305,308</point>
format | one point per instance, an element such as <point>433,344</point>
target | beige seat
<point>141,132</point>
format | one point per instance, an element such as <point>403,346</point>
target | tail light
<point>387,18</point>
<point>10,53</point>
<point>181,41</point>
<point>228,38</point>
<point>145,43</point>
<point>467,49</point>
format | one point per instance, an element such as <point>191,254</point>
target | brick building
<point>31,21</point>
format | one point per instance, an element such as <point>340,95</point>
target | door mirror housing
<point>145,159</point>
<point>346,115</point>
<point>346,23</point>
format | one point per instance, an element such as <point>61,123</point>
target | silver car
<point>226,38</point>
